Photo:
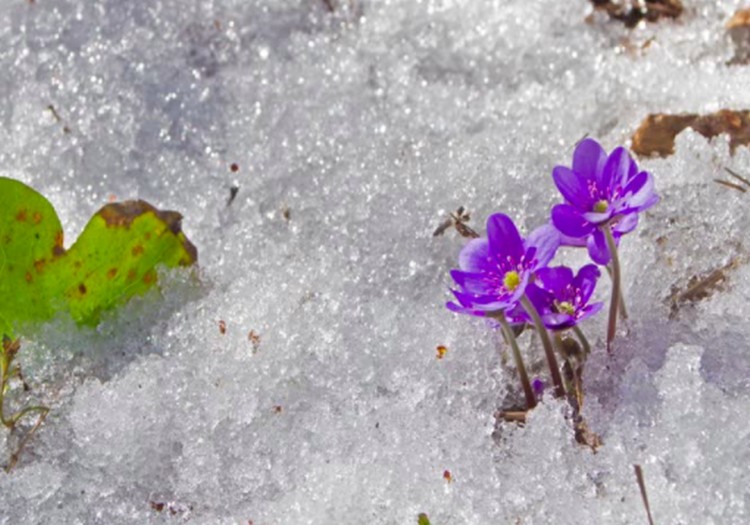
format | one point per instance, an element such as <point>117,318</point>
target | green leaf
<point>114,259</point>
<point>116,256</point>
<point>31,239</point>
<point>423,519</point>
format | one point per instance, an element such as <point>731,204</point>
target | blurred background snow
<point>353,133</point>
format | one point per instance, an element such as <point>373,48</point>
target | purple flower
<point>600,191</point>
<point>494,272</point>
<point>538,385</point>
<point>562,299</point>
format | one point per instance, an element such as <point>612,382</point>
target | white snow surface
<point>368,125</point>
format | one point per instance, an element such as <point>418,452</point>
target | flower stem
<point>623,311</point>
<point>554,369</point>
<point>511,339</point>
<point>582,338</point>
<point>615,299</point>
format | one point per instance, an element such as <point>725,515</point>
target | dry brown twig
<point>742,186</point>
<point>644,495</point>
<point>457,220</point>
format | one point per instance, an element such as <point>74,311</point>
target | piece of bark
<point>657,132</point>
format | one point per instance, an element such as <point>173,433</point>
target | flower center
<point>511,280</point>
<point>601,206</point>
<point>565,307</point>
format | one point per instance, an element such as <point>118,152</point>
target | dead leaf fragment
<point>657,132</point>
<point>738,28</point>
<point>632,12</point>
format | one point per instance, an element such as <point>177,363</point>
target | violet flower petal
<point>596,217</point>
<point>573,187</point>
<point>626,224</point>
<point>639,190</point>
<point>474,282</point>
<point>554,278</point>
<point>539,297</point>
<point>546,240</point>
<point>482,303</point>
<point>585,281</point>
<point>566,240</point>
<point>597,245</point>
<point>504,240</point>
<point>569,221</point>
<point>558,321</point>
<point>475,256</point>
<point>615,170</point>
<point>588,310</point>
<point>589,159</point>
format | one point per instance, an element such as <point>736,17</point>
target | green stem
<point>615,299</point>
<point>11,422</point>
<point>7,372</point>
<point>511,339</point>
<point>623,310</point>
<point>582,338</point>
<point>554,369</point>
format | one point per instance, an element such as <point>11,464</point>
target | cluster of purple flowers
<point>508,278</point>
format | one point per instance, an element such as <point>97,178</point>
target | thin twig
<point>730,185</point>
<point>644,496</point>
<point>17,454</point>
<point>738,176</point>
<point>514,416</point>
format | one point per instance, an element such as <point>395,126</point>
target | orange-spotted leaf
<point>117,254</point>
<point>115,257</point>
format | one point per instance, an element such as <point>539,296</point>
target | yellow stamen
<point>565,307</point>
<point>511,281</point>
<point>601,206</point>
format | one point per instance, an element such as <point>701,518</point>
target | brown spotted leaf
<point>114,259</point>
<point>117,254</point>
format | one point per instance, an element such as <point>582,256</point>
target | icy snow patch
<point>354,134</point>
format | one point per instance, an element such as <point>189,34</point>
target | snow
<point>366,127</point>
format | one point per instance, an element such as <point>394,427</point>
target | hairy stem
<point>615,299</point>
<point>582,339</point>
<point>511,339</point>
<point>554,369</point>
<point>623,310</point>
